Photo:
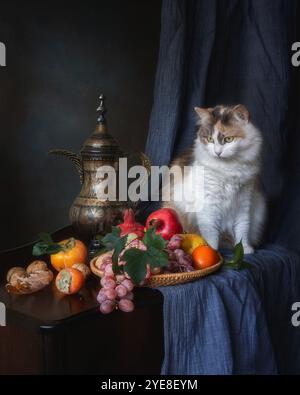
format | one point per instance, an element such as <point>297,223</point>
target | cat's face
<point>223,130</point>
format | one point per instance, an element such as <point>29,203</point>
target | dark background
<point>60,56</point>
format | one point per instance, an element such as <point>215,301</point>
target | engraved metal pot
<point>90,214</point>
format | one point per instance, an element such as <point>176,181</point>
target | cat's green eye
<point>229,139</point>
<point>209,139</point>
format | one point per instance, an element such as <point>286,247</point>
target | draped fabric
<point>229,52</point>
<point>236,322</point>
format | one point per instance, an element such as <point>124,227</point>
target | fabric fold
<point>235,322</point>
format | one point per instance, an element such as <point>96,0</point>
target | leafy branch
<point>46,245</point>
<point>136,260</point>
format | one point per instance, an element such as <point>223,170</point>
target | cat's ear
<point>203,113</point>
<point>241,113</point>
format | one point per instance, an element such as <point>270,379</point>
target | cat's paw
<point>248,249</point>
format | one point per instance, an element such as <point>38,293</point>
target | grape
<point>179,261</point>
<point>103,266</point>
<point>108,282</point>
<point>172,265</point>
<point>175,242</point>
<point>121,291</point>
<point>128,284</point>
<point>129,296</point>
<point>101,297</point>
<point>179,253</point>
<point>107,260</point>
<point>110,294</point>
<point>120,278</point>
<point>109,270</point>
<point>185,263</point>
<point>107,307</point>
<point>171,254</point>
<point>125,305</point>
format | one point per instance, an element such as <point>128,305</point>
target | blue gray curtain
<point>227,52</point>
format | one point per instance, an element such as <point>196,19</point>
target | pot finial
<point>101,110</point>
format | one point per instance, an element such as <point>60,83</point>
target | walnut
<point>36,277</point>
<point>37,266</point>
<point>17,270</point>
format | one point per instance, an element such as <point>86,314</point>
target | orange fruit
<point>69,281</point>
<point>74,251</point>
<point>204,256</point>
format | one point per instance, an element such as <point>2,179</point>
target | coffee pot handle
<point>74,158</point>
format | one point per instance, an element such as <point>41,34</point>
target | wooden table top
<point>48,307</point>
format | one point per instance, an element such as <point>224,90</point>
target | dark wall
<point>60,56</point>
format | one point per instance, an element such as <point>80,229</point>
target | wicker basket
<point>162,280</point>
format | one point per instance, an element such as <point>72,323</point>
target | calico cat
<point>228,147</point>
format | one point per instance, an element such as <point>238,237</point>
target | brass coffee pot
<point>90,214</point>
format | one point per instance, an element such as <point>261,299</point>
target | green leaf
<point>110,239</point>
<point>238,252</point>
<point>113,241</point>
<point>42,248</point>
<point>232,265</point>
<point>46,237</point>
<point>151,239</point>
<point>237,262</point>
<point>157,258</point>
<point>136,264</point>
<point>118,248</point>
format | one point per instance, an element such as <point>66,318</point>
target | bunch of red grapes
<point>179,261</point>
<point>116,291</point>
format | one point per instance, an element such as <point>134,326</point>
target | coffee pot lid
<point>101,144</point>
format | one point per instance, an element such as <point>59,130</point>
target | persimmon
<point>74,251</point>
<point>69,281</point>
<point>204,256</point>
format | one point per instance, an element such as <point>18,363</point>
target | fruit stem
<point>156,223</point>
<point>69,244</point>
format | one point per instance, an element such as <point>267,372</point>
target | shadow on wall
<point>59,59</point>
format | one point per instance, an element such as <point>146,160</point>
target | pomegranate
<point>130,226</point>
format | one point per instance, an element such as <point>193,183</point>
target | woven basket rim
<point>166,279</point>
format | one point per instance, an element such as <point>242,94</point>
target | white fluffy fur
<point>233,203</point>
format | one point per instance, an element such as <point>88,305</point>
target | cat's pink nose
<point>218,150</point>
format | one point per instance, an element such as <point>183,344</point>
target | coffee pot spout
<point>73,157</point>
